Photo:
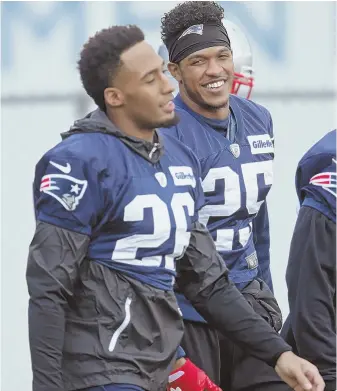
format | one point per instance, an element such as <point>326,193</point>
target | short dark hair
<point>100,58</point>
<point>188,14</point>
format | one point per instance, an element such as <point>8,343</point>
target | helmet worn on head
<point>243,82</point>
<point>243,60</point>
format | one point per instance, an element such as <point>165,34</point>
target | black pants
<point>225,362</point>
<point>201,344</point>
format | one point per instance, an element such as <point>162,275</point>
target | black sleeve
<point>52,270</point>
<point>203,278</point>
<point>311,280</point>
<point>262,244</point>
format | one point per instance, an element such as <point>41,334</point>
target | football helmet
<point>243,82</point>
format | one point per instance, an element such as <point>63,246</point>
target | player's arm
<point>65,210</point>
<point>55,255</point>
<point>262,244</point>
<point>311,280</point>
<point>203,278</point>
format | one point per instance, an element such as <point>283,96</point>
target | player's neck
<point>220,114</point>
<point>130,128</point>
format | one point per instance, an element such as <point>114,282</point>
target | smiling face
<point>205,79</point>
<point>141,89</point>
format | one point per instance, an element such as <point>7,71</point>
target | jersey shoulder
<point>320,155</point>
<point>68,185</point>
<point>187,126</point>
<point>191,133</point>
<point>75,167</point>
<point>88,152</point>
<point>316,176</point>
<point>253,114</point>
<point>86,147</point>
<point>179,151</point>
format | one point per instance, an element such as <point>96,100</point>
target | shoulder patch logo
<point>67,190</point>
<point>235,149</point>
<point>327,180</point>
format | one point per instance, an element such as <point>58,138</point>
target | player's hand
<point>188,377</point>
<point>298,373</point>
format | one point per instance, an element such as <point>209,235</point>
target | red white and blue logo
<point>327,180</point>
<point>66,189</point>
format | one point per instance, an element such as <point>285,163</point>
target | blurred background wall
<point>294,46</point>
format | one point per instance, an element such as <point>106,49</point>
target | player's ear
<point>174,70</point>
<point>113,97</point>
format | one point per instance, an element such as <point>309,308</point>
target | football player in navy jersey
<point>117,211</point>
<point>211,61</point>
<point>311,273</point>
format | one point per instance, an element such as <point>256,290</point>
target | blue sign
<point>40,25</point>
<point>271,38</point>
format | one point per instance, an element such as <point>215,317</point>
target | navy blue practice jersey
<point>316,176</point>
<point>237,174</point>
<point>236,178</point>
<point>310,327</point>
<point>137,214</point>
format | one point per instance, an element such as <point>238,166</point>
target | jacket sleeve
<point>67,207</point>
<point>203,278</point>
<point>311,281</point>
<point>262,244</point>
<point>55,255</point>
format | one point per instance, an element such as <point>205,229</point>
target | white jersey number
<point>232,198</point>
<point>126,249</point>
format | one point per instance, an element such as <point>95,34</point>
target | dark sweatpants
<point>201,345</point>
<point>226,363</point>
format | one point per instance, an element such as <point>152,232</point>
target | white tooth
<point>215,85</point>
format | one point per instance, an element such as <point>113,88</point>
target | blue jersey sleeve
<point>319,192</point>
<point>316,177</point>
<point>67,193</point>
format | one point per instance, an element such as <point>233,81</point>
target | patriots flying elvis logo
<point>66,189</point>
<point>327,180</point>
<point>195,29</point>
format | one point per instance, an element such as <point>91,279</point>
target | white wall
<point>293,46</point>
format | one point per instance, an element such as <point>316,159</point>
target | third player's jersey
<point>316,176</point>
<point>310,327</point>
<point>237,173</point>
